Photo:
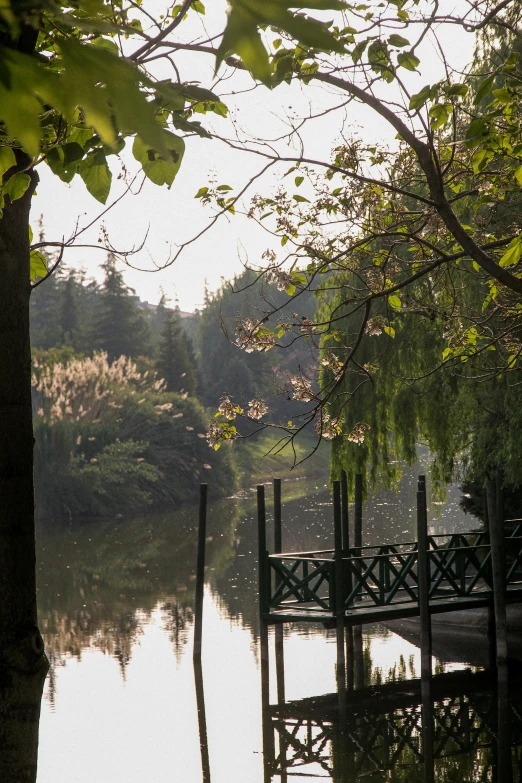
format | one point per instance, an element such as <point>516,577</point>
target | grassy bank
<point>258,459</point>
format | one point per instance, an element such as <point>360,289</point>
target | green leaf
<point>379,59</point>
<point>503,95</point>
<point>420,98</point>
<point>160,169</point>
<point>484,89</point>
<point>201,192</point>
<point>395,301</point>
<point>241,37</point>
<point>389,331</point>
<point>290,290</point>
<point>358,51</point>
<point>408,60</point>
<point>298,181</point>
<point>106,43</point>
<point>96,174</point>
<point>16,185</point>
<point>518,175</point>
<point>38,265</point>
<point>513,253</point>
<point>446,353</point>
<point>198,6</point>
<point>223,187</point>
<point>440,114</point>
<point>398,40</point>
<point>457,90</point>
<point>477,129</point>
<point>7,159</point>
<point>300,198</point>
<point>480,160</point>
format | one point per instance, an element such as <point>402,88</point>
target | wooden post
<point>357,519</point>
<point>504,758</point>
<point>427,731</point>
<point>358,654</point>
<point>357,544</point>
<point>339,598</point>
<point>278,538</point>
<point>498,569</point>
<point>499,477</point>
<point>278,631</point>
<point>424,579</point>
<point>263,573</point>
<point>264,601</point>
<point>346,552</point>
<point>202,721</point>
<point>345,515</point>
<point>350,660</point>
<point>200,572</point>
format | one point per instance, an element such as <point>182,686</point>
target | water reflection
<point>469,731</point>
<point>116,605</point>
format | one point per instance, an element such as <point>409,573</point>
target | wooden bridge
<point>376,583</point>
<point>382,582</point>
<point>350,585</point>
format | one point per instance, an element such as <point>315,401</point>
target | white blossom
<point>256,409</point>
<point>302,388</point>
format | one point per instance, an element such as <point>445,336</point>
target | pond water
<point>120,701</point>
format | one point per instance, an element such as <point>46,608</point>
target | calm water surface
<point>116,606</point>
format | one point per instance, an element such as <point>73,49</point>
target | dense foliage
<point>112,439</point>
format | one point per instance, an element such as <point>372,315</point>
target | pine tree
<point>69,310</point>
<point>121,327</point>
<point>176,362</point>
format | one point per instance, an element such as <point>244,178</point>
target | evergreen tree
<point>176,362</point>
<point>69,310</point>
<point>121,327</point>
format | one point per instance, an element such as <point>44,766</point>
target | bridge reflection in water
<point>390,733</point>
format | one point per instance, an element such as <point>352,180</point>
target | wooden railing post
<point>200,572</point>
<point>345,513</point>
<point>424,578</point>
<point>339,597</point>
<point>264,604</point>
<point>357,543</point>
<point>264,574</point>
<point>498,569</point>
<point>279,629</point>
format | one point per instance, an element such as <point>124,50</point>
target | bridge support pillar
<point>498,569</point>
<point>339,599</point>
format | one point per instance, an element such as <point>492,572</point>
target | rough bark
<point>21,646</point>
<point>20,699</point>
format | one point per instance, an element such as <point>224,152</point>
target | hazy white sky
<point>172,217</point>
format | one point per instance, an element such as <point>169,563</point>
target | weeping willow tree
<point>415,251</point>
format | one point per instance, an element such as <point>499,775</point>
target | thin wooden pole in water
<point>263,577</point>
<point>346,550</point>
<point>357,544</point>
<point>357,516</point>
<point>424,577</point>
<point>498,569</point>
<point>345,514</point>
<point>278,630</point>
<point>202,721</point>
<point>339,597</point>
<point>200,572</point>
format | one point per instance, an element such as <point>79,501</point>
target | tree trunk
<point>21,646</point>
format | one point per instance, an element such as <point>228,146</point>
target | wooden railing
<point>379,576</point>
